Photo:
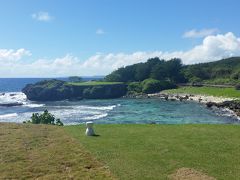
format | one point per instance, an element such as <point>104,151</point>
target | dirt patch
<point>189,174</point>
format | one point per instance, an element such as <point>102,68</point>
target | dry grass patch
<point>189,174</point>
<point>45,152</point>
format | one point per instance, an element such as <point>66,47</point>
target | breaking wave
<point>6,116</point>
<point>13,97</point>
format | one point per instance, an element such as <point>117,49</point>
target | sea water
<point>108,111</point>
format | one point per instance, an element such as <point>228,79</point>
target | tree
<point>134,87</point>
<point>159,72</point>
<point>142,72</point>
<point>153,85</point>
<point>153,68</point>
<point>75,79</point>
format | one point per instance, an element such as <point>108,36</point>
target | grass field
<point>45,152</point>
<point>92,83</point>
<point>157,151</point>
<point>121,151</point>
<point>211,91</point>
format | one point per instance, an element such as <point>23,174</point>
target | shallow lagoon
<point>119,111</point>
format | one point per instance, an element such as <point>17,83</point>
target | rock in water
<point>54,90</point>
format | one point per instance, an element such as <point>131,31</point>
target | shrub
<point>45,118</point>
<point>74,79</point>
<point>135,87</point>
<point>237,87</point>
<point>153,85</point>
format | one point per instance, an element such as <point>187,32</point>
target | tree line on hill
<point>147,77</point>
<point>154,68</point>
<point>227,70</point>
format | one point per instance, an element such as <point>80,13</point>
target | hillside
<point>225,71</point>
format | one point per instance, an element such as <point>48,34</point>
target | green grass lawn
<point>45,152</point>
<point>92,83</point>
<point>212,91</point>
<point>156,151</point>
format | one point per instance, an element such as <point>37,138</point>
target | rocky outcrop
<point>232,105</point>
<point>48,90</point>
<point>54,90</point>
<point>210,101</point>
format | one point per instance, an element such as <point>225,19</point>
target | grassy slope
<point>92,83</point>
<point>44,152</point>
<point>212,91</point>
<point>155,151</point>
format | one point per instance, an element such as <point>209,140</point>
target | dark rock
<point>210,104</point>
<point>48,90</point>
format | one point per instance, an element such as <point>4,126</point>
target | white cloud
<point>200,33</point>
<point>100,31</point>
<point>212,48</point>
<point>13,55</point>
<point>42,16</point>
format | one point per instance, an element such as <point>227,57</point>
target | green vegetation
<point>211,91</point>
<point>154,68</point>
<point>134,87</point>
<point>30,151</point>
<point>44,118</point>
<point>128,151</point>
<point>92,83</point>
<point>152,85</point>
<point>149,86</point>
<point>226,71</point>
<point>74,79</point>
<point>156,151</point>
<point>237,87</point>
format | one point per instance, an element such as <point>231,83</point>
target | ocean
<point>110,111</point>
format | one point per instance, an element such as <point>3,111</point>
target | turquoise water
<point>112,111</point>
<point>119,111</point>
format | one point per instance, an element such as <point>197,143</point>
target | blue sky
<point>94,37</point>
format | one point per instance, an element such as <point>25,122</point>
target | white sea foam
<point>98,107</point>
<point>12,97</point>
<point>6,116</point>
<point>97,116</point>
<point>34,105</point>
<point>17,97</point>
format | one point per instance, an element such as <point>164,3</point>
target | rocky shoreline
<point>229,105</point>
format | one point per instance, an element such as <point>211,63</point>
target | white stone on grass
<point>89,130</point>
